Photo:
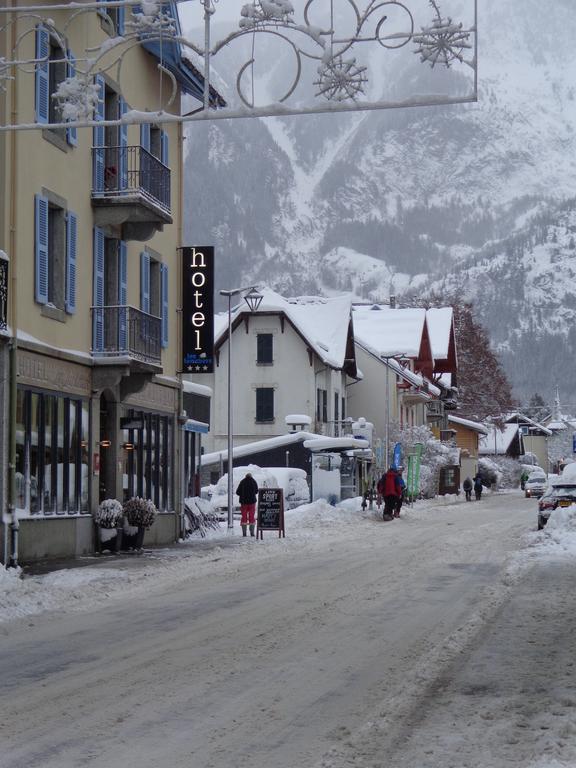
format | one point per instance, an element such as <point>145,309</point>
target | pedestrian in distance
<point>467,486</point>
<point>392,491</point>
<point>402,489</point>
<point>247,492</point>
<point>478,487</point>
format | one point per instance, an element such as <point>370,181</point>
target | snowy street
<point>440,639</point>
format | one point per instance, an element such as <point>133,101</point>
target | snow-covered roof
<point>495,441</point>
<point>335,443</point>
<point>470,424</point>
<point>521,418</point>
<point>439,320</point>
<point>192,388</point>
<point>258,446</point>
<point>324,323</point>
<point>387,331</point>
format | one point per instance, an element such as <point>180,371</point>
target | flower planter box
<point>133,537</point>
<point>109,539</point>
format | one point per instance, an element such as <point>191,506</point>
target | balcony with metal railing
<point>121,333</point>
<point>131,188</point>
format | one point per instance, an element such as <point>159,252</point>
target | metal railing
<point>122,171</point>
<point>124,331</point>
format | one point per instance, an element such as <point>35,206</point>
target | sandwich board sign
<point>270,511</point>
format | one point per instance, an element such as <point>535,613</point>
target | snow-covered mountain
<point>475,201</point>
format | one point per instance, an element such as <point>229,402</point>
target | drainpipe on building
<point>12,525</point>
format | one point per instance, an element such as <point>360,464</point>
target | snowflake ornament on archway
<point>443,41</point>
<point>341,79</point>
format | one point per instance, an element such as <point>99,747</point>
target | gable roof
<point>473,425</point>
<point>522,419</point>
<point>401,331</point>
<point>440,322</point>
<point>499,442</point>
<point>324,324</point>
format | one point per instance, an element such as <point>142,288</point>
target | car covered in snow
<point>292,480</point>
<point>558,495</point>
<point>535,484</point>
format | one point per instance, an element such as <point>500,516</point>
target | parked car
<point>561,495</point>
<point>535,485</point>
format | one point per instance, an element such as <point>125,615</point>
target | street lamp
<point>253,299</point>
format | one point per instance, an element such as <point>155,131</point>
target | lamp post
<point>253,299</point>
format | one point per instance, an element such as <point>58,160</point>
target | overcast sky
<point>192,12</point>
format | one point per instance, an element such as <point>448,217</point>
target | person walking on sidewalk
<point>402,491</point>
<point>478,487</point>
<point>467,485</point>
<point>392,491</point>
<point>247,493</point>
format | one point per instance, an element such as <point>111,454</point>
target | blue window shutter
<point>41,249</point>
<point>71,251</point>
<point>71,133</point>
<point>98,291</point>
<point>123,108</point>
<point>99,137</point>
<point>165,148</point>
<point>42,75</point>
<point>123,292</point>
<point>120,20</point>
<point>164,294</point>
<point>145,136</point>
<point>145,282</point>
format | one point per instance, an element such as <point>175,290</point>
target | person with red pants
<point>247,493</point>
<point>392,491</point>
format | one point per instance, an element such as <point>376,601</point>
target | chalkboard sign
<point>271,511</point>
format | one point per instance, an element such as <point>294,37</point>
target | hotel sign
<point>198,309</point>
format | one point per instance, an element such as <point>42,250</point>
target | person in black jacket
<point>247,492</point>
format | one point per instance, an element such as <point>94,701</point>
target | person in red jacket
<point>392,491</point>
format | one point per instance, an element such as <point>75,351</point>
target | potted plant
<point>108,519</point>
<point>139,515</point>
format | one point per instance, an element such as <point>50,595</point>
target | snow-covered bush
<point>435,455</point>
<point>501,471</point>
<point>140,512</point>
<point>109,514</point>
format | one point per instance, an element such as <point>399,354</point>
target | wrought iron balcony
<point>126,332</point>
<point>130,187</point>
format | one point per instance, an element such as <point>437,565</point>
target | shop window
<point>52,460</point>
<point>149,458</point>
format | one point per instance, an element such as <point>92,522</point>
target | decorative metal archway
<point>336,60</point>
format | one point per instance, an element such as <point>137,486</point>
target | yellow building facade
<point>91,222</point>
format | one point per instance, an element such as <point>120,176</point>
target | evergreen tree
<point>483,389</point>
<point>537,408</point>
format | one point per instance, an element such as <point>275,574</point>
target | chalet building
<point>91,221</point>
<point>535,437</point>
<point>290,356</point>
<point>394,354</point>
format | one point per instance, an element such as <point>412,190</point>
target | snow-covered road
<point>428,641</point>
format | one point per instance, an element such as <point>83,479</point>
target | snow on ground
<point>93,580</point>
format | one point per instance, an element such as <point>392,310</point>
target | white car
<point>535,485</point>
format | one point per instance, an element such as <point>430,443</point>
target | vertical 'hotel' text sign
<point>198,309</point>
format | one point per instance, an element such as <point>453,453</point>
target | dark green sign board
<point>271,511</point>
